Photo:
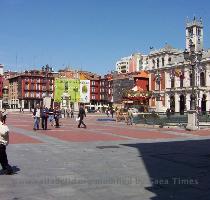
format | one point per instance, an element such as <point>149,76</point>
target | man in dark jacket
<point>44,115</point>
<point>57,113</point>
<point>81,116</point>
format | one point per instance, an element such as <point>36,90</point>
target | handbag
<point>77,119</point>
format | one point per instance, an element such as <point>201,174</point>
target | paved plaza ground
<point>106,161</point>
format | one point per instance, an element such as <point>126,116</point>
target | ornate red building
<point>29,88</point>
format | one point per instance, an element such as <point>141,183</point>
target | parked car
<point>91,111</point>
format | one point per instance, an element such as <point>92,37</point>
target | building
<point>121,84</point>
<point>171,76</point>
<point>29,88</point>
<point>159,62</point>
<point>5,94</point>
<point>106,90</point>
<point>94,87</point>
<point>133,63</point>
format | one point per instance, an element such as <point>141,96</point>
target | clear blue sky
<point>91,34</point>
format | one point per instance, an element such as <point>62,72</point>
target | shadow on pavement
<point>176,170</point>
<point>14,168</point>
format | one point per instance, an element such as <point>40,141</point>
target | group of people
<point>110,111</point>
<point>69,112</point>
<point>43,114</point>
<point>53,115</point>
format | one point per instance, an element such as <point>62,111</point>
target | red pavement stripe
<point>201,132</point>
<point>81,136</point>
<point>141,134</point>
<point>16,138</point>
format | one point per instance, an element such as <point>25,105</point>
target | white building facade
<point>134,63</point>
<point>171,76</point>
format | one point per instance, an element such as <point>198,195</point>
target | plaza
<point>107,161</point>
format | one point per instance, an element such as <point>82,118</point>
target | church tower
<point>194,32</point>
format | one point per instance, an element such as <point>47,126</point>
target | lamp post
<point>158,95</point>
<point>193,58</point>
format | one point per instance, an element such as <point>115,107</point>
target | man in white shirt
<point>37,115</point>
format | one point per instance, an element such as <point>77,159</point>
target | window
<point>153,61</point>
<point>93,89</point>
<point>157,85</point>
<point>169,59</point>
<point>93,82</point>
<point>202,79</point>
<point>172,82</point>
<point>191,80</point>
<point>181,81</point>
<point>157,62</point>
<point>199,32</point>
<point>190,32</point>
<point>163,62</point>
<point>93,97</point>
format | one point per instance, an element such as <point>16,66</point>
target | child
<point>4,140</point>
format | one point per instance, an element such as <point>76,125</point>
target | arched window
<point>181,81</point>
<point>153,61</point>
<point>163,62</point>
<point>157,62</point>
<point>172,82</point>
<point>202,79</point>
<point>191,80</point>
<point>172,104</point>
<point>169,59</point>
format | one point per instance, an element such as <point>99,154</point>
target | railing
<point>162,119</point>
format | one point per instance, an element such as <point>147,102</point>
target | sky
<point>91,34</point>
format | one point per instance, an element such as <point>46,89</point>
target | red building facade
<point>28,89</point>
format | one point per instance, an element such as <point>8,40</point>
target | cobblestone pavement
<point>106,161</point>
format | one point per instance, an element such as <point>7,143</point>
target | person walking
<point>51,116</point>
<point>112,112</point>
<point>4,116</point>
<point>36,115</point>
<point>72,113</point>
<point>68,111</point>
<point>57,116</point>
<point>4,141</point>
<point>44,115</point>
<point>81,116</point>
<point>62,113</point>
<point>107,112</point>
<point>129,117</point>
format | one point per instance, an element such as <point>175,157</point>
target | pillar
<point>22,103</point>
<point>167,101</point>
<point>177,102</point>
<point>188,101</point>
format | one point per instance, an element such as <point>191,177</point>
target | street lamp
<point>193,58</point>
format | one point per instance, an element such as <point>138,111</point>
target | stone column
<point>177,104</point>
<point>167,101</point>
<point>188,102</point>
<point>29,104</point>
<point>22,103</point>
<point>199,99</point>
<point>1,104</point>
